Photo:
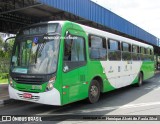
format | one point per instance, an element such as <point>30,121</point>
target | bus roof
<point>90,30</point>
<point>108,35</point>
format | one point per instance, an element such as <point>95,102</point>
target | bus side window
<point>126,51</point>
<point>114,52</point>
<point>151,55</point>
<point>135,53</point>
<point>147,54</point>
<point>97,48</point>
<point>74,52</point>
<point>67,51</point>
<point>142,52</point>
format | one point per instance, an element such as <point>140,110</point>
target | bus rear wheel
<point>94,92</point>
<point>140,79</point>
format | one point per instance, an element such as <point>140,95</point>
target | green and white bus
<point>60,62</point>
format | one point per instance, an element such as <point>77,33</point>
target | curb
<point>1,102</point>
<point>6,101</point>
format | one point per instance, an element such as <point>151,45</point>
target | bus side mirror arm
<point>5,43</point>
<point>68,34</point>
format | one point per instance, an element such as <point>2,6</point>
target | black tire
<point>140,79</point>
<point>94,92</point>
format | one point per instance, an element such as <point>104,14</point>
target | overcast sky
<point>143,13</point>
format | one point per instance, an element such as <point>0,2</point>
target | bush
<point>3,75</point>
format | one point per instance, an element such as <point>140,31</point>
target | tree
<point>1,47</point>
<point>1,40</point>
<point>9,44</point>
<point>5,55</point>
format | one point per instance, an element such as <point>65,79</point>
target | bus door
<point>74,67</point>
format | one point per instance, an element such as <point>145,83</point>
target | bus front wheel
<point>94,92</point>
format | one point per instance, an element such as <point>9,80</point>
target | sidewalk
<point>158,71</point>
<point>3,93</point>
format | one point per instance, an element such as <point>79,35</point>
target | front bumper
<point>50,97</point>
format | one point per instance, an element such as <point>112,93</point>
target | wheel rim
<point>140,80</point>
<point>94,91</point>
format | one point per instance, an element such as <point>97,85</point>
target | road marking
<point>1,102</point>
<point>128,106</point>
<point>140,105</point>
<point>157,88</point>
<point>152,78</point>
<point>154,87</point>
<point>51,111</point>
<point>151,87</point>
<point>4,96</point>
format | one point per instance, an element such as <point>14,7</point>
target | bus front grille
<point>22,80</point>
<point>34,98</point>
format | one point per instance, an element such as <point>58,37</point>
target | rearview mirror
<point>8,41</point>
<point>68,34</point>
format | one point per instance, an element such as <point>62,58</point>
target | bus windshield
<point>35,55</point>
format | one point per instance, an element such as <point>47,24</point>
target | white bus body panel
<point>50,97</point>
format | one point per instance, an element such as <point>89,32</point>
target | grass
<point>3,81</point>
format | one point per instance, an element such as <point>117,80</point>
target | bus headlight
<point>50,84</point>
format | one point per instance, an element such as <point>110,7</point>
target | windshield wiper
<point>39,50</point>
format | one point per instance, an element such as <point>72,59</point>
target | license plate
<point>27,95</point>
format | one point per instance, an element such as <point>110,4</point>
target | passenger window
<point>126,51</point>
<point>97,48</point>
<point>148,55</point>
<point>142,53</point>
<point>74,52</point>
<point>135,52</point>
<point>74,49</point>
<point>142,50</point>
<point>114,50</point>
<point>151,55</point>
<point>151,52</point>
<point>126,47</point>
<point>148,51</point>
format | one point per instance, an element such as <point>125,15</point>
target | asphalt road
<point>144,100</point>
